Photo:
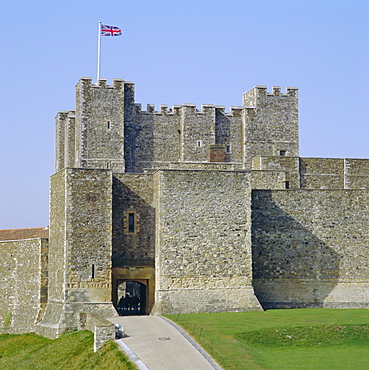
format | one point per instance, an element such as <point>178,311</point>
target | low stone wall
<point>312,173</point>
<point>103,329</point>
<point>322,173</point>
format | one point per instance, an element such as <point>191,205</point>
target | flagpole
<point>98,52</point>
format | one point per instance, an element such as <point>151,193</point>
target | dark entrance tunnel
<point>131,298</point>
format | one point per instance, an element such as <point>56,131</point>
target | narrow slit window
<point>109,125</point>
<point>131,222</point>
<point>199,143</point>
<point>228,149</point>
<point>93,271</point>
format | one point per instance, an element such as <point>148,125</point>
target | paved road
<point>155,344</point>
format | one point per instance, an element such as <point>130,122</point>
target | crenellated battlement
<point>276,91</point>
<point>260,92</point>
<point>117,83</point>
<point>110,130</point>
<point>190,108</point>
<point>62,115</point>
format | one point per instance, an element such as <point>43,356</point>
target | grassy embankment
<point>274,339</point>
<point>283,339</point>
<point>72,350</point>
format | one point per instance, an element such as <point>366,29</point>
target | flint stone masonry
<point>203,242</point>
<point>103,329</point>
<point>309,247</point>
<point>205,210</point>
<point>133,193</point>
<point>23,276</point>
<point>272,124</point>
<point>109,130</point>
<point>314,173</point>
<point>80,259</point>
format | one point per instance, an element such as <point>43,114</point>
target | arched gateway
<point>137,281</point>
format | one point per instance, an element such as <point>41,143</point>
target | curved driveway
<point>157,344</point>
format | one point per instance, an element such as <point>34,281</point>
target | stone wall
<point>197,132</point>
<point>23,276</point>
<point>310,248</point>
<point>322,173</point>
<point>88,234</point>
<point>203,250</point>
<point>80,248</point>
<point>109,130</point>
<point>182,134</point>
<point>60,140</point>
<point>334,173</point>
<point>268,179</point>
<point>316,173</point>
<point>103,329</point>
<point>356,173</point>
<point>133,193</point>
<point>201,166</point>
<point>57,233</point>
<point>289,165</point>
<point>229,132</point>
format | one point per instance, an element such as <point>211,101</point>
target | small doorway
<point>132,298</point>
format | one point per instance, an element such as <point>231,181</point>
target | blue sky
<point>176,52</point>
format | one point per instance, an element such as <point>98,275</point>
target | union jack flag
<point>110,31</point>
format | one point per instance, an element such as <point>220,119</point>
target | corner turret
<point>271,123</point>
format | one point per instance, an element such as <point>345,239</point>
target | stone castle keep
<point>207,211</point>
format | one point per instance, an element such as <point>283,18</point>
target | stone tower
<point>80,248</point>
<point>92,136</point>
<point>271,125</point>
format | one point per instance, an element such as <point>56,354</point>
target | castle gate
<point>137,281</point>
<point>131,297</point>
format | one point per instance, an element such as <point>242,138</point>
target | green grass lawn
<point>72,350</point>
<point>283,339</point>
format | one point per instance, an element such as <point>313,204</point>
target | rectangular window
<point>109,125</point>
<point>282,152</point>
<point>228,149</point>
<point>199,143</point>
<point>131,222</point>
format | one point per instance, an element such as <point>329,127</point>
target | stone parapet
<point>103,329</point>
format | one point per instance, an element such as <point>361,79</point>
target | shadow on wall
<point>139,140</point>
<point>292,267</point>
<point>138,242</point>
